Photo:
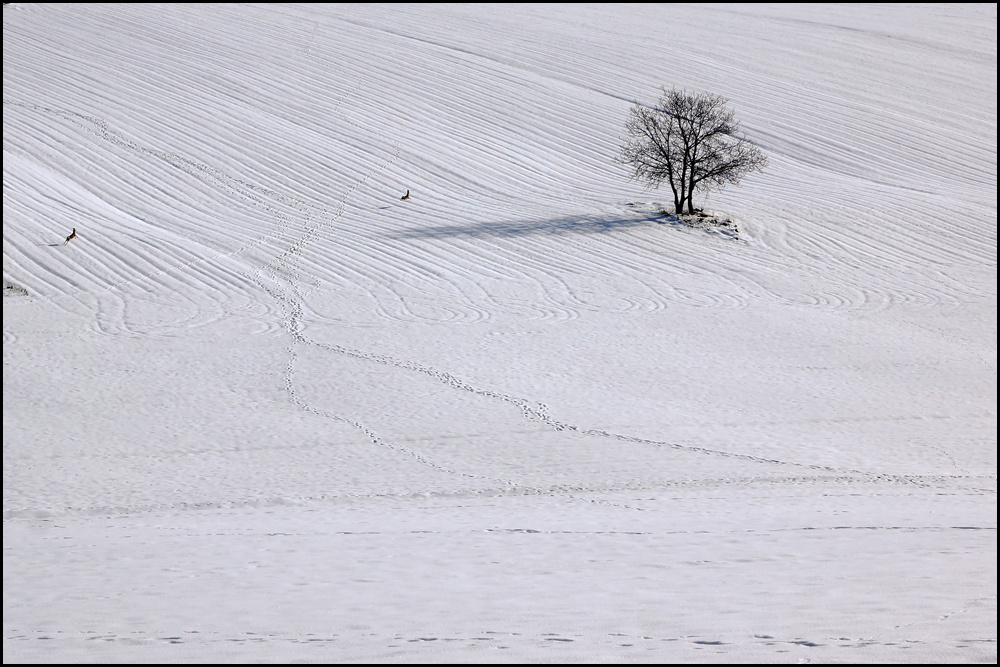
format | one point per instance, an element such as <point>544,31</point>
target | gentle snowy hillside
<point>262,409</point>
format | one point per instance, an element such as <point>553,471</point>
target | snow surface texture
<point>262,409</point>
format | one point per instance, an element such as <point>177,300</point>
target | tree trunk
<point>682,189</point>
<point>677,195</point>
<point>690,193</point>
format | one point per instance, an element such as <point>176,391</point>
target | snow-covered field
<point>261,409</point>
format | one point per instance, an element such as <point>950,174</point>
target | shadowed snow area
<point>261,409</point>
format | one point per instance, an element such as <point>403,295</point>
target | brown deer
<point>406,196</point>
<point>70,237</point>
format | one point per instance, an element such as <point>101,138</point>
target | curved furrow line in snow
<point>929,226</point>
<point>248,192</point>
<point>653,265</point>
<point>598,270</point>
<point>197,300</point>
<point>397,295</point>
<point>386,282</point>
<point>656,265</point>
<point>394,305</point>
<point>384,268</point>
<point>618,260</point>
<point>862,281</point>
<point>857,271</point>
<point>558,267</point>
<point>10,339</point>
<point>108,264</point>
<point>602,259</point>
<point>555,297</point>
<point>407,273</point>
<point>917,236</point>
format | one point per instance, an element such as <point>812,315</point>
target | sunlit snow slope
<point>251,319</point>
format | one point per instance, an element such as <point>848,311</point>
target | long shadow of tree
<point>567,225</point>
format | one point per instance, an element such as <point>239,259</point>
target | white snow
<point>261,409</point>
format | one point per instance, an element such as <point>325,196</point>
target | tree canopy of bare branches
<point>689,140</point>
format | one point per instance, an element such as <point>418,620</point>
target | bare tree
<point>691,142</point>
